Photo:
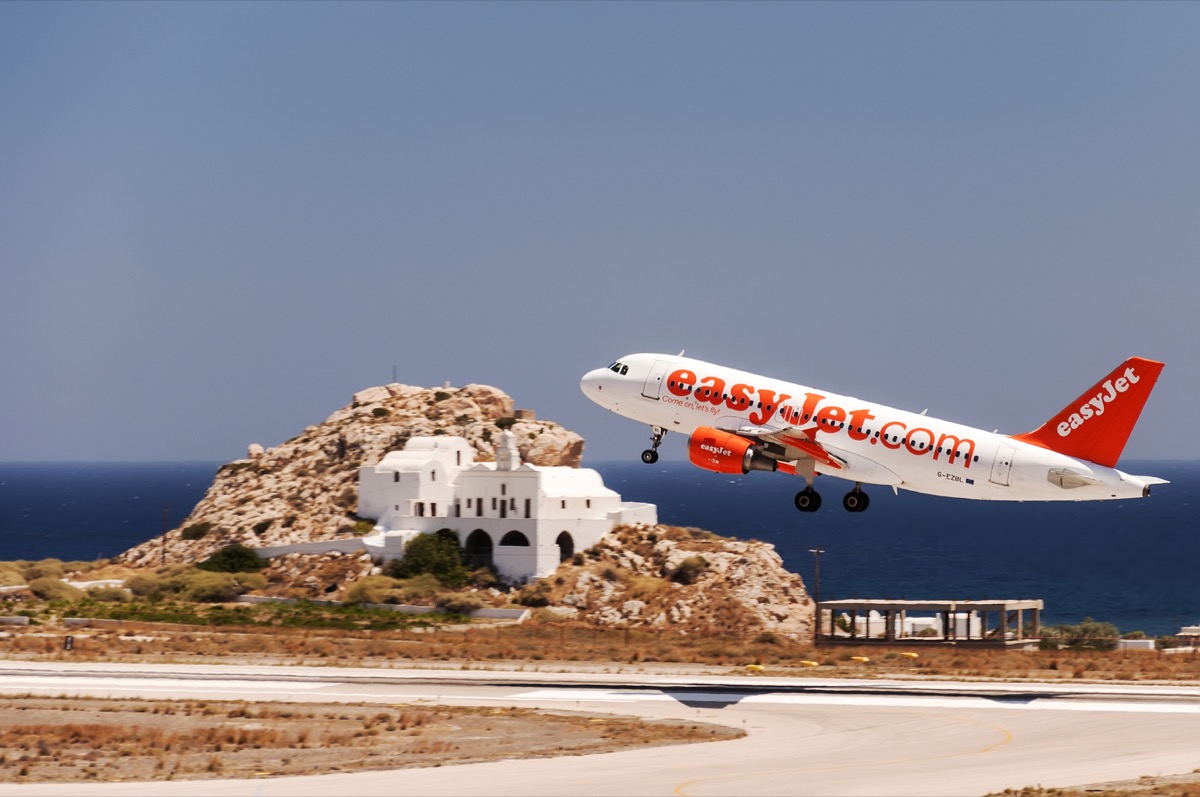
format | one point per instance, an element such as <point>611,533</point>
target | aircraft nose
<point>592,383</point>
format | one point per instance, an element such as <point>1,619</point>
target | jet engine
<point>724,452</point>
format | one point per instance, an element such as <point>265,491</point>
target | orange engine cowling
<point>724,452</point>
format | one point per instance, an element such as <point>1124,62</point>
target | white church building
<point>524,519</point>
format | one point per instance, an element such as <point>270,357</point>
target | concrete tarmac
<point>806,736</point>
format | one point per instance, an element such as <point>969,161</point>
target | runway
<point>805,736</point>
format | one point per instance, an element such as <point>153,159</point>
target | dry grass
<point>546,642</point>
<point>56,739</point>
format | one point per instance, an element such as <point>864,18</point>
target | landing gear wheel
<point>808,500</point>
<point>650,455</point>
<point>856,501</point>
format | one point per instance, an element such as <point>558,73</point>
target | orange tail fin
<point>1097,425</point>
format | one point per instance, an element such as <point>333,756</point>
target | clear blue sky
<point>220,220</point>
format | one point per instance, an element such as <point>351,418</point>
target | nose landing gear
<point>650,455</point>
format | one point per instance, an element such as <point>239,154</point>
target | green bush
<point>379,412</point>
<point>210,587</point>
<point>1088,635</point>
<point>261,526</point>
<point>145,585</point>
<point>52,589</point>
<point>437,554</point>
<point>689,570</point>
<point>235,558</point>
<point>196,531</point>
<point>505,423</point>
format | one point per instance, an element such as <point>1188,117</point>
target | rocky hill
<point>307,488</point>
<point>679,578</point>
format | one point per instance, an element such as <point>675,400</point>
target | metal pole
<point>816,552</point>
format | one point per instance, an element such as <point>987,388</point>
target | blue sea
<point>1133,563</point>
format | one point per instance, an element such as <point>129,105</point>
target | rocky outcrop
<point>307,488</point>
<point>679,579</point>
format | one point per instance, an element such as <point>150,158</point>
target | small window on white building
<point>433,509</point>
<point>420,509</point>
<point>493,503</point>
<point>396,476</point>
<point>528,507</point>
<point>504,489</point>
<point>564,503</point>
<point>433,475</point>
<point>589,503</point>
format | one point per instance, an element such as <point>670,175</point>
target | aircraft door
<point>652,389</point>
<point>1003,465</point>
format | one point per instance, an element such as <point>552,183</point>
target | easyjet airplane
<point>737,422</point>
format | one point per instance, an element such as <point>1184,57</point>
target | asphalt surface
<point>806,736</point>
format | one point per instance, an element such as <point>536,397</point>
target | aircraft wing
<point>798,451</point>
<point>789,444</point>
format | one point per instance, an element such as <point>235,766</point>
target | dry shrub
<point>643,587</point>
<point>422,589</point>
<point>370,589</point>
<point>145,585</point>
<point>109,594</point>
<point>49,588</point>
<point>208,587</point>
<point>46,568</point>
<point>11,574</point>
<point>460,602</point>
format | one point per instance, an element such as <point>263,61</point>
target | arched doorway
<point>515,538</point>
<point>566,546</point>
<point>478,551</point>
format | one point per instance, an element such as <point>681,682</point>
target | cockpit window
<point>619,368</point>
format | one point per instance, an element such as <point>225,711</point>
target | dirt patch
<point>80,739</point>
<point>1149,786</point>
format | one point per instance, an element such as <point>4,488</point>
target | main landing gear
<point>809,500</point>
<point>650,455</point>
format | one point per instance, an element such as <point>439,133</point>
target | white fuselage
<point>877,444</point>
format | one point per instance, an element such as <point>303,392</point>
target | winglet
<point>1096,426</point>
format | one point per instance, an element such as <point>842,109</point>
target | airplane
<point>737,422</point>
